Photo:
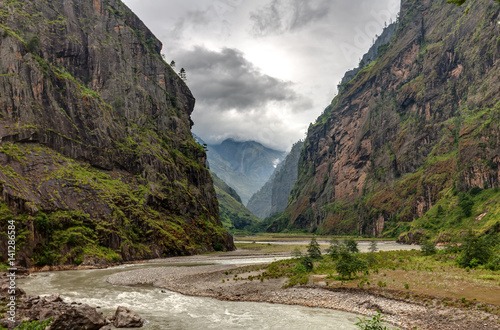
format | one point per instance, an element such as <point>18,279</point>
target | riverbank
<point>238,283</point>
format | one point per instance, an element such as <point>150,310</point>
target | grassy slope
<point>234,215</point>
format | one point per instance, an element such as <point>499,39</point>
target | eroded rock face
<point>420,120</point>
<point>95,139</point>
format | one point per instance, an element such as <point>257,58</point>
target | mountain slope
<point>97,159</point>
<point>411,134</point>
<point>233,214</point>
<point>273,196</point>
<point>245,166</point>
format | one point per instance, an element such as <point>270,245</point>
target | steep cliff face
<point>412,133</point>
<point>273,196</point>
<point>97,159</point>
<point>376,50</point>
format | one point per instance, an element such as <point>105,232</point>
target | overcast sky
<point>263,70</point>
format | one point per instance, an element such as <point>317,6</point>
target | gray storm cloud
<point>227,81</point>
<point>235,97</point>
<point>280,16</point>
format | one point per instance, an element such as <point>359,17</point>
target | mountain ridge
<point>400,150</point>
<point>97,160</point>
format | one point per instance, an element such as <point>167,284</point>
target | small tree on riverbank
<point>313,249</point>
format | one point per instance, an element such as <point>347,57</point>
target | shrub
<point>334,249</point>
<point>35,325</point>
<point>307,263</point>
<point>475,251</point>
<point>374,323</point>
<point>428,248</point>
<point>466,204</point>
<point>373,246</point>
<point>42,223</point>
<point>296,253</point>
<point>349,264</point>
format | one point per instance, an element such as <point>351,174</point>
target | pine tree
<point>182,74</point>
<point>313,249</point>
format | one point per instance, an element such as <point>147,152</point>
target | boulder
<point>125,318</point>
<point>81,317</point>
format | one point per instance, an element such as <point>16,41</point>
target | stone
<point>125,318</point>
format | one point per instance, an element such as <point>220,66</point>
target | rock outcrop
<point>413,139</point>
<point>97,161</point>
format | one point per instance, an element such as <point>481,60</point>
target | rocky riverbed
<point>65,315</point>
<point>218,281</point>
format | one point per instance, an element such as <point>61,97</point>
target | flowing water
<point>164,309</point>
<point>169,310</point>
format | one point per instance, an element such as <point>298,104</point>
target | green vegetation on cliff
<point>410,148</point>
<point>97,161</point>
<point>234,215</point>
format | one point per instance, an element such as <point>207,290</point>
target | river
<point>164,309</point>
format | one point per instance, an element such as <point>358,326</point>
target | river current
<point>164,309</point>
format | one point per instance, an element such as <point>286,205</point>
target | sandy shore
<point>220,282</point>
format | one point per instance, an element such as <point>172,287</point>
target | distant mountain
<point>233,214</point>
<point>273,196</point>
<point>244,166</point>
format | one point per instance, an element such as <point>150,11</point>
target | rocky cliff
<point>412,144</point>
<point>376,50</point>
<point>273,196</point>
<point>97,161</point>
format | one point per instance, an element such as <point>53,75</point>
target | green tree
<point>428,248</point>
<point>475,250</point>
<point>334,249</point>
<point>349,264</point>
<point>172,64</point>
<point>313,249</point>
<point>182,74</point>
<point>351,245</point>
<point>373,246</point>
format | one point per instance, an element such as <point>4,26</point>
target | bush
<point>475,251</point>
<point>296,253</point>
<point>428,248</point>
<point>334,249</point>
<point>349,264</point>
<point>300,269</point>
<point>307,263</point>
<point>374,323</point>
<point>466,204</point>
<point>42,223</point>
<point>35,325</point>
